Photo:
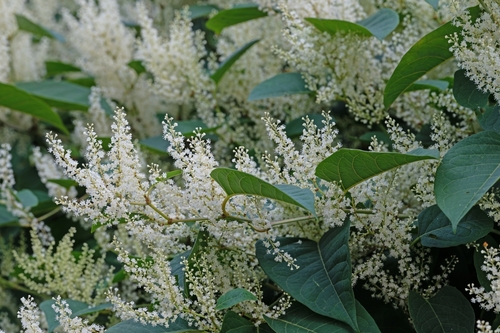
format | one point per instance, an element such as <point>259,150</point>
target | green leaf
<point>435,85</point>
<point>235,182</point>
<point>467,94</point>
<point>447,311</point>
<point>50,314</point>
<point>27,198</point>
<point>131,326</point>
<point>350,167</point>
<point>197,11</point>
<point>177,268</point>
<point>433,3</point>
<point>430,51</point>
<point>380,24</point>
<point>19,100</point>
<point>468,170</point>
<point>322,282</point>
<point>283,84</point>
<point>6,217</point>
<point>490,118</point>
<point>93,309</point>
<point>299,319</point>
<point>233,297</point>
<point>156,144</point>
<point>296,127</point>
<point>435,229</point>
<point>233,16</point>
<point>57,67</point>
<point>60,94</point>
<point>119,276</point>
<point>83,81</point>
<point>137,66</point>
<point>37,30</point>
<point>66,183</point>
<point>234,323</point>
<point>229,61</point>
<point>187,127</point>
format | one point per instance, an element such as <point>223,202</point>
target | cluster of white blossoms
<point>488,297</point>
<point>476,48</point>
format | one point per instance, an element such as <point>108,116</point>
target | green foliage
<point>131,326</point>
<point>236,15</point>
<point>280,85</point>
<point>59,94</point>
<point>37,30</point>
<point>435,229</point>
<point>236,183</point>
<point>447,311</point>
<point>466,173</point>
<point>233,297</point>
<point>229,61</point>
<point>19,100</point>
<point>429,52</point>
<point>322,280</point>
<point>380,24</point>
<point>466,93</point>
<point>350,167</point>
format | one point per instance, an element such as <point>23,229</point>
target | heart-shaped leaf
<point>435,230</point>
<point>235,182</point>
<point>447,311</point>
<point>430,51</point>
<point>280,85</point>
<point>233,297</point>
<point>350,167</point>
<point>468,170</point>
<point>233,16</point>
<point>323,280</point>
<point>226,64</point>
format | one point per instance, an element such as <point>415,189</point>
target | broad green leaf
<point>479,259</point>
<point>57,67</point>
<point>230,60</point>
<point>37,30</point>
<point>156,144</point>
<point>83,81</point>
<point>350,167</point>
<point>380,24</point>
<point>447,311</point>
<point>433,3</point>
<point>234,323</point>
<point>468,170</point>
<point>436,85</point>
<point>119,276</point>
<point>6,217</point>
<point>295,127</point>
<point>197,11</point>
<point>19,100</point>
<point>434,228</point>
<point>235,182</point>
<point>60,94</point>
<point>137,66</point>
<point>27,198</point>
<point>299,319</point>
<point>280,85</point>
<point>467,94</point>
<point>66,183</point>
<point>233,16</point>
<point>50,314</point>
<point>430,51</point>
<point>233,297</point>
<point>490,118</point>
<point>131,326</point>
<point>322,281</point>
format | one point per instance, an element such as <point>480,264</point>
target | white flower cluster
<point>489,298</point>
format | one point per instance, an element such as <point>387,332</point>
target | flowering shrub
<point>224,166</point>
